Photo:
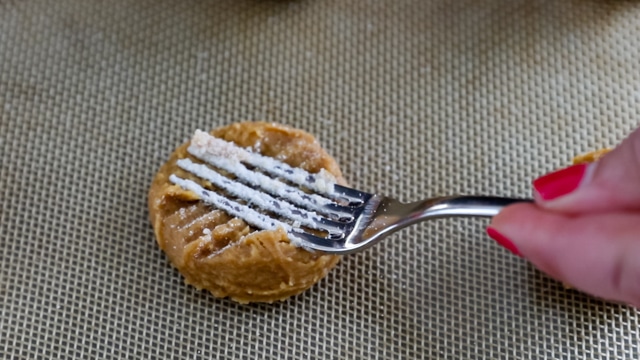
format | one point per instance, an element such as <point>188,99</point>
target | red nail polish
<point>503,241</point>
<point>559,183</point>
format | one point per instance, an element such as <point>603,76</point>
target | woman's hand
<point>584,228</point>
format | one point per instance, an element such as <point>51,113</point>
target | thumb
<point>608,184</point>
<point>595,253</point>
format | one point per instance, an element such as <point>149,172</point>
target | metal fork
<point>320,214</point>
<point>375,217</point>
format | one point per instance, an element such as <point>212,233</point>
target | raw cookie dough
<point>224,255</point>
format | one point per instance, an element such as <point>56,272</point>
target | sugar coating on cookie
<point>209,148</point>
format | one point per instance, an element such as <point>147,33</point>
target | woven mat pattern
<point>414,98</point>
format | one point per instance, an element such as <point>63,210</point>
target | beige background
<point>414,98</point>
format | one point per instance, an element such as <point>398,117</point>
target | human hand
<point>584,228</point>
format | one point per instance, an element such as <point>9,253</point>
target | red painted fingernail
<point>559,183</point>
<point>503,241</point>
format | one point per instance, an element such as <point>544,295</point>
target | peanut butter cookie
<point>222,253</point>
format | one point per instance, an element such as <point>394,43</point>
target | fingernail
<point>503,241</point>
<point>559,183</point>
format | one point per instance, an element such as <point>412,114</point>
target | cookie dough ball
<point>224,255</point>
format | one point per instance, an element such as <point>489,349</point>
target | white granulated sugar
<point>231,207</point>
<point>257,198</point>
<point>203,143</point>
<point>206,232</point>
<point>205,146</point>
<point>206,217</point>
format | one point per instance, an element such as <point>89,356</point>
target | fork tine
<point>340,213</point>
<point>353,196</point>
<point>315,243</point>
<point>201,149</point>
<point>297,236</point>
<point>260,199</point>
<point>335,228</point>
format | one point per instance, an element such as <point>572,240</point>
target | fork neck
<point>396,215</point>
<point>481,206</point>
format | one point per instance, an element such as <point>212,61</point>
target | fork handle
<point>393,215</point>
<point>483,206</point>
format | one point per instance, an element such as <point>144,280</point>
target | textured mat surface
<point>414,98</point>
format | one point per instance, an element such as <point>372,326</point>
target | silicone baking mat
<point>414,98</point>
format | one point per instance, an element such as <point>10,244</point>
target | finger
<point>608,184</point>
<point>598,254</point>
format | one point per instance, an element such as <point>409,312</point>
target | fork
<point>376,216</point>
<point>317,213</point>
